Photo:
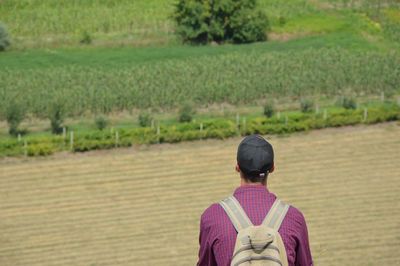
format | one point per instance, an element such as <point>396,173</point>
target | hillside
<point>50,24</point>
<point>117,207</point>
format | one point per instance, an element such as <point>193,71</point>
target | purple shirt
<point>218,235</point>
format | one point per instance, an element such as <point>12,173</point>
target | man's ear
<point>272,168</point>
<point>237,168</point>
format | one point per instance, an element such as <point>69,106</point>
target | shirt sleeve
<point>303,252</point>
<point>206,253</point>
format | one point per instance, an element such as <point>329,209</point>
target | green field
<point>119,80</point>
<point>45,23</point>
<point>117,207</point>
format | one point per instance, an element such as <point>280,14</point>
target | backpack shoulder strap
<point>276,214</point>
<point>236,213</point>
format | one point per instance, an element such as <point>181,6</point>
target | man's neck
<point>247,183</point>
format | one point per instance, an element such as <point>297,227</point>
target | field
<point>42,23</point>
<point>243,76</point>
<point>316,49</point>
<point>119,207</point>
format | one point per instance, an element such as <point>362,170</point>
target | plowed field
<point>141,206</point>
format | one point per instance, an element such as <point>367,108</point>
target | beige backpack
<point>257,245</point>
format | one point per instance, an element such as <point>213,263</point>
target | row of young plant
<point>235,78</point>
<point>217,128</point>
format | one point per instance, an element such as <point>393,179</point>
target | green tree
<point>101,122</point>
<point>205,21</point>
<point>4,38</point>
<point>57,114</point>
<point>14,114</point>
<point>186,113</point>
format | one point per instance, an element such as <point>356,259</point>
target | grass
<point>158,78</point>
<point>53,209</point>
<point>43,24</point>
<point>126,56</point>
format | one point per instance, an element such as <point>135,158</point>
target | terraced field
<point>121,207</point>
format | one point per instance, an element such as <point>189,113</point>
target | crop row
<point>234,78</point>
<point>285,123</point>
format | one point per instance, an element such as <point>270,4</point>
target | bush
<point>4,38</point>
<point>145,119</point>
<point>269,109</point>
<point>56,114</point>
<point>306,105</point>
<point>101,122</point>
<point>14,113</point>
<point>40,150</point>
<point>86,38</point>
<point>349,103</point>
<point>186,113</point>
<point>205,21</point>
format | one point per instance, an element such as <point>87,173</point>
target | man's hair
<point>255,178</point>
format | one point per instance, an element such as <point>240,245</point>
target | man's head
<point>255,159</point>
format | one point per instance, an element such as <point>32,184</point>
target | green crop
<point>234,78</point>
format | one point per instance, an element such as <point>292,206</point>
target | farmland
<point>117,207</point>
<point>80,62</point>
<point>44,23</point>
<point>320,49</point>
<point>241,77</point>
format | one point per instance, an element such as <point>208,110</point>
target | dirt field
<point>119,207</point>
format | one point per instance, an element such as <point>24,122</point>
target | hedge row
<point>284,123</point>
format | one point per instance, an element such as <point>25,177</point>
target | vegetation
<point>101,122</point>
<point>238,21</point>
<point>4,38</point>
<point>306,105</point>
<point>145,119</point>
<point>186,113</point>
<point>57,114</point>
<point>86,38</point>
<point>269,109</point>
<point>349,103</point>
<point>217,128</point>
<point>14,114</point>
<point>244,76</point>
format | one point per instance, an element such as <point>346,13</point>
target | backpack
<point>257,245</point>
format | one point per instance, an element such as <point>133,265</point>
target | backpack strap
<point>276,214</point>
<point>236,213</point>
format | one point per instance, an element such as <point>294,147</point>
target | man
<point>255,161</point>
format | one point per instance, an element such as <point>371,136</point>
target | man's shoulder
<point>212,214</point>
<point>294,222</point>
<point>295,214</point>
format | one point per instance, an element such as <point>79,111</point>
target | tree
<point>4,39</point>
<point>186,113</point>
<point>14,114</point>
<point>57,114</point>
<point>205,21</point>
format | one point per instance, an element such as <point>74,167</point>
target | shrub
<point>205,21</point>
<point>86,38</point>
<point>145,119</point>
<point>349,103</point>
<point>186,113</point>
<point>4,38</point>
<point>56,114</point>
<point>101,122</point>
<point>306,105</point>
<point>40,150</point>
<point>14,113</point>
<point>269,109</point>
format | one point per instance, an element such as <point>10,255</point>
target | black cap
<point>255,156</point>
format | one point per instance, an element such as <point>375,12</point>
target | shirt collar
<point>251,188</point>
